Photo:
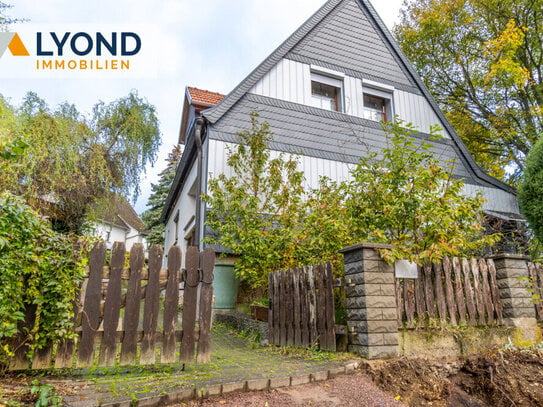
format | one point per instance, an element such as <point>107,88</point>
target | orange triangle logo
<point>17,47</point>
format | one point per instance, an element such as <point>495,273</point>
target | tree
<point>151,217</point>
<point>402,196</point>
<point>530,193</point>
<point>482,60</point>
<point>405,197</point>
<point>72,163</point>
<point>254,212</point>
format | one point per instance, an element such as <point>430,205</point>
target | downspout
<point>198,138</point>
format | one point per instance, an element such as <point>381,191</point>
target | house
<point>119,222</point>
<point>323,92</point>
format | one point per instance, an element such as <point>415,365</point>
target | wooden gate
<point>302,307</point>
<point>130,315</point>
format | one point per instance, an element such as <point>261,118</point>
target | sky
<point>209,44</point>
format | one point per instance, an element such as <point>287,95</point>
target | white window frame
<point>380,90</point>
<point>326,78</point>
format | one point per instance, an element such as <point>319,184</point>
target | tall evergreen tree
<point>151,217</point>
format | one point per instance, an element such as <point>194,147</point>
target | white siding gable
<point>291,81</point>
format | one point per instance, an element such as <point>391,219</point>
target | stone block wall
<point>371,302</point>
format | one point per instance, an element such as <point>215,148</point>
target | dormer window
<point>326,92</point>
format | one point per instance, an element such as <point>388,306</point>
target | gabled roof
<point>199,100</point>
<point>204,97</point>
<point>215,113</point>
<point>121,214</point>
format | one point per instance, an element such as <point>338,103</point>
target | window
<point>377,99</point>
<point>375,108</point>
<point>326,92</point>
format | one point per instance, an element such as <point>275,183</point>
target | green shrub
<point>39,269</point>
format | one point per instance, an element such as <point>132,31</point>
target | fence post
<point>371,302</point>
<point>518,308</point>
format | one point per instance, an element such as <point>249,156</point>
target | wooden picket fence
<point>117,317</point>
<point>301,309</point>
<point>457,291</point>
<point>535,272</point>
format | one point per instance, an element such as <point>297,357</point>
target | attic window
<point>375,108</point>
<point>326,92</point>
<point>377,101</point>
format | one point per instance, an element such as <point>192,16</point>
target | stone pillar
<point>371,302</point>
<point>518,308</point>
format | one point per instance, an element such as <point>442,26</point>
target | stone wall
<point>371,302</point>
<point>372,309</point>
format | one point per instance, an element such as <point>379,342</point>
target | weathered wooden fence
<point>117,317</point>
<point>535,272</point>
<point>301,310</point>
<point>458,291</point>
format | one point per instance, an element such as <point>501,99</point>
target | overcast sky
<point>209,44</point>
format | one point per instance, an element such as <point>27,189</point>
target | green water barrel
<point>225,286</point>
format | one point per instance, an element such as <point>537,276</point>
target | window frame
<point>380,91</point>
<point>331,81</point>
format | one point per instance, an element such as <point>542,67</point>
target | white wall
<point>315,168</point>
<point>291,81</point>
<point>186,205</point>
<point>118,234</point>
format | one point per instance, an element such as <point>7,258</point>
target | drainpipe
<point>198,137</point>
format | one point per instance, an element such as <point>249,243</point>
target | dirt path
<point>355,389</point>
<point>497,378</point>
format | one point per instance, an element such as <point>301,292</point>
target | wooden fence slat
<point>478,291</point>
<point>91,305</point>
<point>321,306</point>
<point>289,304</point>
<point>487,297</point>
<point>312,304</point>
<point>495,291</point>
<point>460,298</point>
<point>469,292</point>
<point>189,305</point>
<point>429,291</point>
<point>409,291</point>
<point>132,306</point>
<point>276,308</point>
<point>20,360</point>
<point>539,273</point>
<point>400,300</point>
<point>304,308</point>
<point>440,296</point>
<point>171,303</point>
<point>282,309</point>
<point>296,306</point>
<point>271,306</point>
<point>151,306</point>
<point>330,315</point>
<point>449,292</point>
<point>112,306</point>
<point>532,272</point>
<point>206,300</point>
<point>420,303</point>
<point>65,354</point>
<point>42,357</point>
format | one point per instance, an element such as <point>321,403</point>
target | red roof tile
<point>204,96</point>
